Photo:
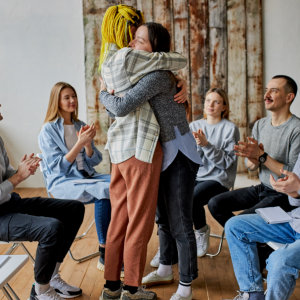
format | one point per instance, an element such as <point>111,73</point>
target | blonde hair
<point>223,94</point>
<point>116,27</point>
<point>53,111</point>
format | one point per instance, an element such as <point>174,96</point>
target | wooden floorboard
<point>216,279</point>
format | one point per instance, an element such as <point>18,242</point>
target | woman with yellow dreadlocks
<point>135,153</point>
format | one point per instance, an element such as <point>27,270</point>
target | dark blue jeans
<point>203,192</point>
<point>53,223</point>
<point>174,216</point>
<point>247,199</point>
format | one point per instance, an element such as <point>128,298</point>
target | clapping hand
<point>200,138</point>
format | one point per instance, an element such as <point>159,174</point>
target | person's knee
<point>79,208</point>
<point>232,225</point>
<point>52,232</point>
<point>214,204</point>
<point>278,262</point>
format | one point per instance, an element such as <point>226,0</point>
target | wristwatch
<point>262,159</point>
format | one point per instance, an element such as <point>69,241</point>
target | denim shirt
<point>60,173</point>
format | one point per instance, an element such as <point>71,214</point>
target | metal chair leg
<point>28,253</point>
<point>6,293</point>
<point>84,258</point>
<point>15,245</point>
<point>78,237</point>
<point>221,237</point>
<point>11,291</point>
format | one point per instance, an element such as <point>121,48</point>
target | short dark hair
<point>291,85</point>
<point>159,37</point>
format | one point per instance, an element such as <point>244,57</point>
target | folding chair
<point>44,169</point>
<point>221,237</point>
<point>14,246</point>
<point>9,266</point>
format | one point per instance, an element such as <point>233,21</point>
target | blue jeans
<point>174,216</point>
<point>283,265</point>
<point>102,218</point>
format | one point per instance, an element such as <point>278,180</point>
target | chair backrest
<point>44,170</point>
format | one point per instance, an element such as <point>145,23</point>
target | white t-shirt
<point>71,139</point>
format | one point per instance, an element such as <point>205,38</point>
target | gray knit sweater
<point>158,88</point>
<point>218,157</point>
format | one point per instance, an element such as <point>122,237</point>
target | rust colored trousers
<point>133,196</point>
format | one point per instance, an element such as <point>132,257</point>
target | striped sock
<point>184,289</point>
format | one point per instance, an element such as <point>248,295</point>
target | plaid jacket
<point>135,134</point>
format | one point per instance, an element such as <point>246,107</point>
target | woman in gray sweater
<point>179,167</point>
<point>215,137</point>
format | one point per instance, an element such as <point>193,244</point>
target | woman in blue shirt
<point>69,154</point>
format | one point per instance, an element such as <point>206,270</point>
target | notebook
<point>273,215</point>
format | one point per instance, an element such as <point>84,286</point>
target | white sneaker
<point>50,294</point>
<point>179,297</point>
<point>154,279</point>
<point>241,296</point>
<point>63,289</point>
<point>202,241</point>
<point>155,260</point>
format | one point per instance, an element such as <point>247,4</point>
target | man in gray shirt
<point>275,145</point>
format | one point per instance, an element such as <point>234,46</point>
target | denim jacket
<point>59,173</point>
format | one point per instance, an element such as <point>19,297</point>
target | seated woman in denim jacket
<point>69,154</point>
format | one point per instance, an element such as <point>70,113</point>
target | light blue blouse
<point>60,173</point>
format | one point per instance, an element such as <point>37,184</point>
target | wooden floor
<point>216,280</point>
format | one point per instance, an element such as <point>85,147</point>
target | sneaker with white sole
<point>108,294</point>
<point>179,297</point>
<point>64,289</point>
<point>154,279</point>
<point>155,260</point>
<point>50,294</point>
<point>141,294</point>
<point>202,241</point>
<point>240,296</point>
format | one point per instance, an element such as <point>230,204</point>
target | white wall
<point>41,43</point>
<point>281,40</point>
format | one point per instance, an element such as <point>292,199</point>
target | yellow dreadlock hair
<point>116,27</point>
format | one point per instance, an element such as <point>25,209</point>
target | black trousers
<point>174,216</point>
<point>247,199</point>
<point>203,192</point>
<point>52,222</point>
